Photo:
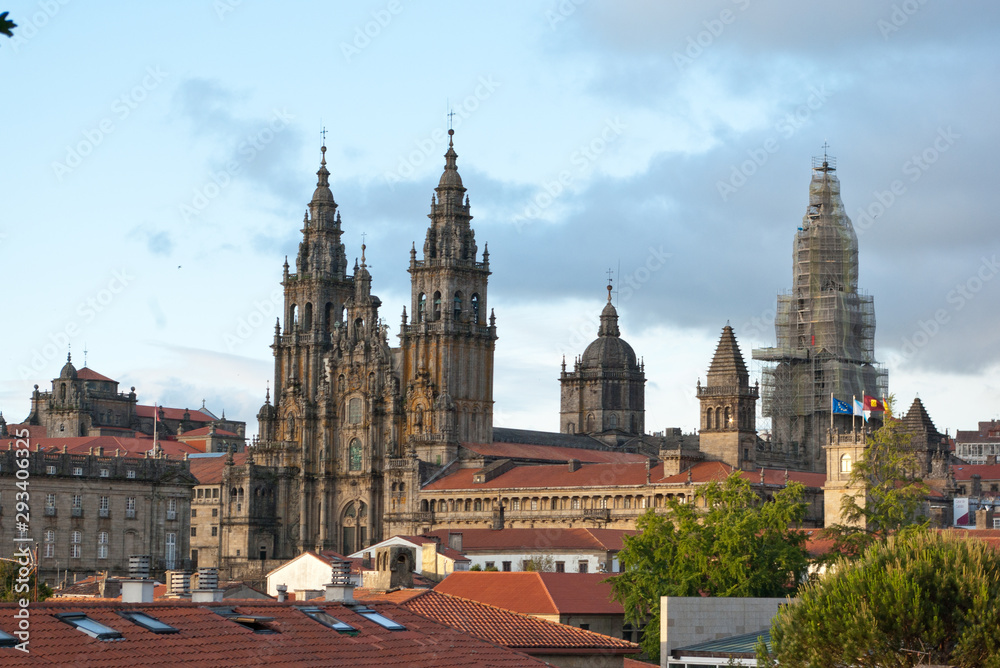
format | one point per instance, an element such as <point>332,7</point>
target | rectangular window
<point>534,504</point>
<point>560,567</point>
<point>130,473</point>
<point>506,565</point>
<point>50,500</point>
<point>104,509</point>
<point>215,512</point>
<point>102,545</point>
<point>130,507</point>
<point>78,501</point>
<point>201,493</point>
<point>171,509</point>
<point>354,411</point>
<point>583,566</point>
<point>515,504</point>
<point>50,470</point>
<point>170,554</point>
<point>575,503</point>
<point>215,531</point>
<point>77,470</point>
<point>50,550</point>
<point>194,531</point>
<point>194,512</point>
<point>490,565</point>
<point>105,473</point>
<point>74,551</point>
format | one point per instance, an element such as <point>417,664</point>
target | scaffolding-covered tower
<point>825,334</point>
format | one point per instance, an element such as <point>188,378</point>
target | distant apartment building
<point>980,446</point>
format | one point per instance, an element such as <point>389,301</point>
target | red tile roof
<point>208,470</point>
<point>208,639</point>
<point>533,593</point>
<point>709,471</point>
<point>534,539</point>
<point>548,476</point>
<point>511,629</point>
<point>89,374</point>
<point>964,472</point>
<point>173,413</point>
<point>549,453</point>
<point>203,431</point>
<point>128,446</point>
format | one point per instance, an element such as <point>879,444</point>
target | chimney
<point>366,560</point>
<point>282,593</point>
<point>178,583</point>
<point>138,588</point>
<point>208,586</point>
<point>455,540</point>
<point>340,589</point>
<point>574,465</point>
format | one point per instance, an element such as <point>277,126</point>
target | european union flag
<point>841,407</point>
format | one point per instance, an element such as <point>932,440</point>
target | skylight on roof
<point>7,640</point>
<point>147,622</point>
<point>326,619</point>
<point>256,623</point>
<point>379,619</point>
<point>91,627</point>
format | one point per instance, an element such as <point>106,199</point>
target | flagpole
<point>831,412</point>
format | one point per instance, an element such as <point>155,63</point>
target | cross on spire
<point>451,116</point>
<point>323,133</point>
<point>610,275</point>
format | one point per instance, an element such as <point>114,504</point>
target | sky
<point>157,161</point>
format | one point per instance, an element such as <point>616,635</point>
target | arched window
<point>328,317</point>
<point>717,417</point>
<point>354,411</point>
<point>845,463</point>
<point>354,455</point>
<point>341,383</point>
<point>457,306</point>
<point>62,393</point>
<point>293,315</point>
<point>437,305</point>
<point>309,315</point>
<point>475,308</point>
<point>708,419</point>
<point>478,505</point>
<point>359,329</point>
<point>613,422</point>
<point>729,420</point>
<point>590,422</point>
<point>571,428</point>
<point>421,307</point>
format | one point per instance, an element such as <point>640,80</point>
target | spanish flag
<point>873,404</point>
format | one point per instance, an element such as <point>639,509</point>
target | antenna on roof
<point>84,353</point>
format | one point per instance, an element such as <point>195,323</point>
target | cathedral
<point>356,423</point>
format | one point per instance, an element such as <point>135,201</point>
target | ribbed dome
<point>322,192</point>
<point>450,178</point>
<point>68,371</point>
<point>608,350</point>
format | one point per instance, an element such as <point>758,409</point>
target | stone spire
<point>727,366</point>
<point>450,234</point>
<point>609,319</point>
<point>323,192</point>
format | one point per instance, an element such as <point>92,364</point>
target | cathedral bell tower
<point>448,344</point>
<point>728,407</point>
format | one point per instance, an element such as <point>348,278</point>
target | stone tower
<point>825,333</point>
<point>605,392</point>
<point>447,347</point>
<point>728,407</point>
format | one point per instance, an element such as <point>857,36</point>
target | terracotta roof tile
<point>964,472</point>
<point>128,446</point>
<point>173,413</point>
<point>203,431</point>
<point>510,629</point>
<point>548,453</point>
<point>89,374</point>
<point>533,593</point>
<point>709,471</point>
<point>208,470</point>
<point>533,539</point>
<point>548,476</point>
<point>208,639</point>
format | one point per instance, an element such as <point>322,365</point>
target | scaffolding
<point>824,327</point>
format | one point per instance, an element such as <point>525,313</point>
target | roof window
<point>91,627</point>
<point>256,623</point>
<point>147,622</point>
<point>326,619</point>
<point>381,620</point>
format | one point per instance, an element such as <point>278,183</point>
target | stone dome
<point>450,178</point>
<point>68,371</point>
<point>609,350</point>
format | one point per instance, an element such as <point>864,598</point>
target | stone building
<point>825,333</point>
<point>979,446</point>
<point>604,394</point>
<point>86,403</point>
<point>728,407</point>
<point>90,512</point>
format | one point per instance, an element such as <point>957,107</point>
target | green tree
<point>915,598</point>
<point>543,563</point>
<point>890,494</point>
<point>734,544</point>
<point>9,586</point>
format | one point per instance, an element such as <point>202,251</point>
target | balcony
<point>104,512</point>
<point>171,515</point>
<point>130,513</point>
<point>603,514</point>
<point>77,512</point>
<point>50,511</point>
